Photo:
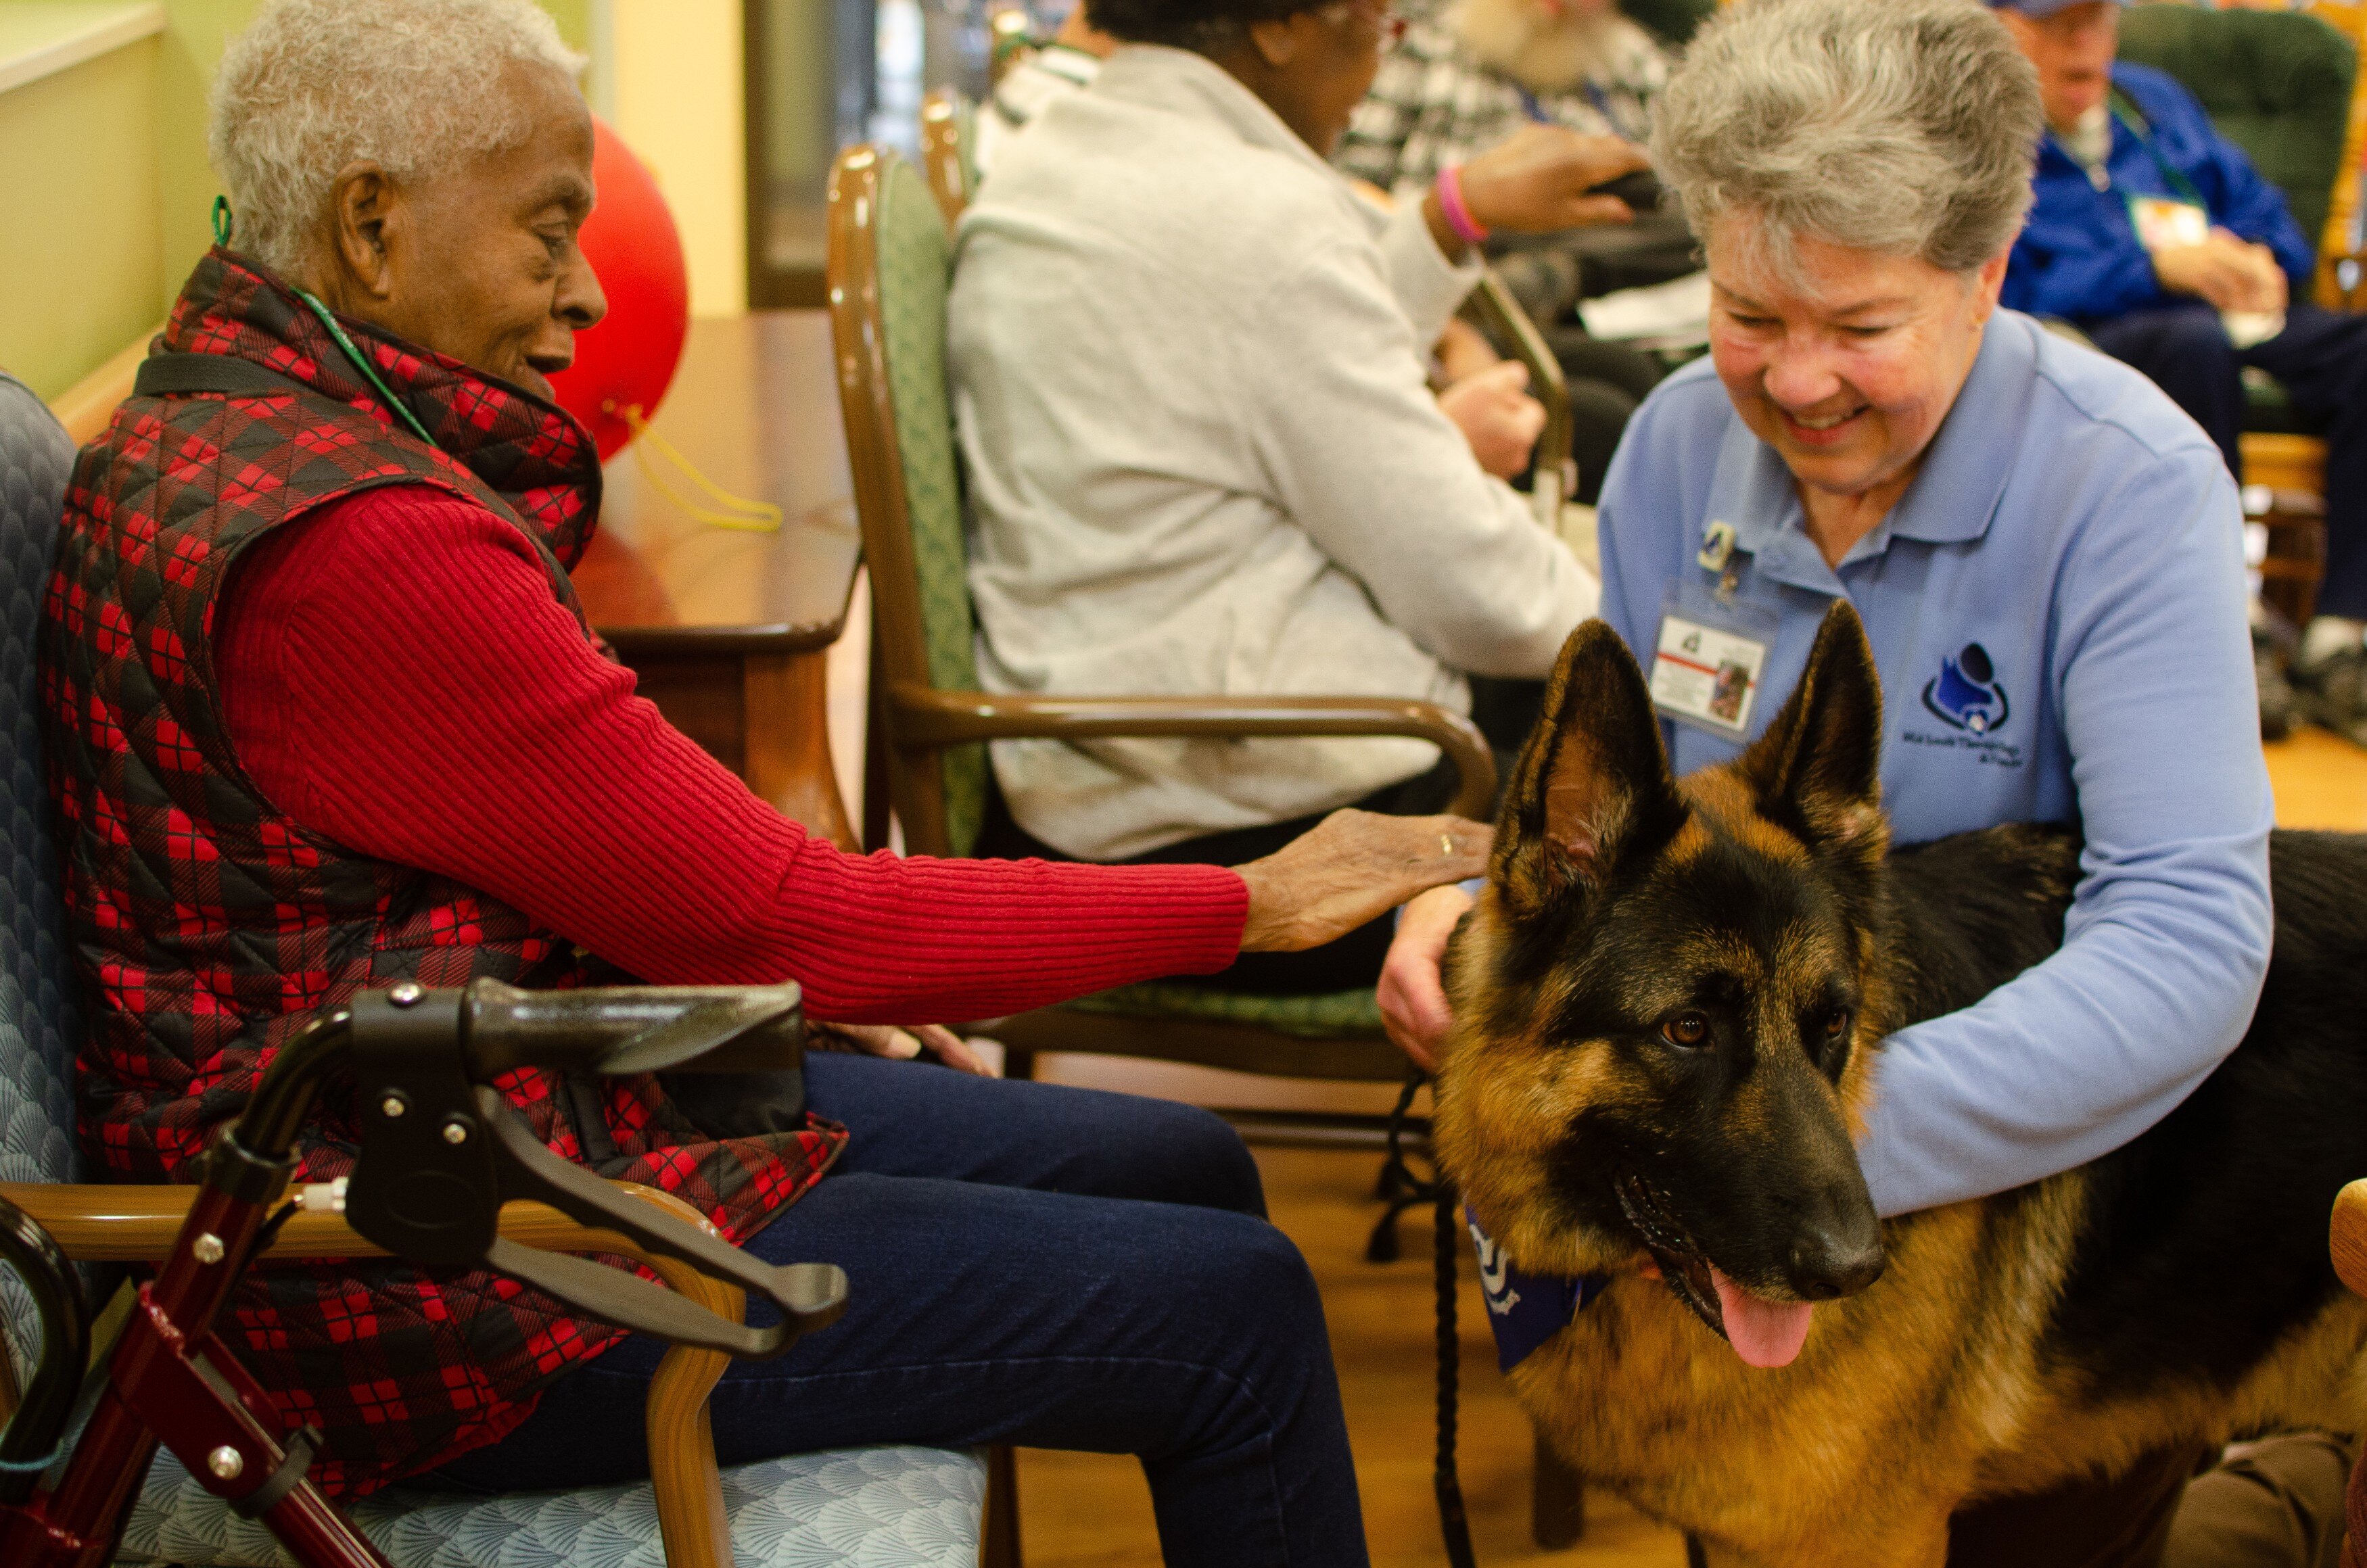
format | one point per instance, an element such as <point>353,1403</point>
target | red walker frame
<point>170,1380</point>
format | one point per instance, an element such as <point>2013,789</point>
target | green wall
<point>195,32</point>
<point>80,243</point>
<point>104,180</point>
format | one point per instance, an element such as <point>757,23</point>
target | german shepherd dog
<point>1669,1002</point>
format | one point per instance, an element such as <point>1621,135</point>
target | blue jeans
<point>2321,360</point>
<point>1054,1268</point>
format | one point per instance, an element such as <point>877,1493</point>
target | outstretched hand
<point>1412,991</point>
<point>1536,180</point>
<point>1353,867</point>
<point>905,1044</point>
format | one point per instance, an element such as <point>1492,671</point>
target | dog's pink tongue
<point>1763,1333</point>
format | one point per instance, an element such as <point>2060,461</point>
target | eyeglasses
<point>1385,21</point>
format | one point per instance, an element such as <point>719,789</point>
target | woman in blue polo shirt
<point>2047,554</point>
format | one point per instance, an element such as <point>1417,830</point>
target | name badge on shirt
<point>2166,222</point>
<point>1707,658</point>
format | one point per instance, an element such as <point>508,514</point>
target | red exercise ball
<point>628,359</point>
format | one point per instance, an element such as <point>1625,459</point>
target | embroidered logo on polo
<point>1969,698</point>
<point>1965,693</point>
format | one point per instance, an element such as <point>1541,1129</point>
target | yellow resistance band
<point>736,511</point>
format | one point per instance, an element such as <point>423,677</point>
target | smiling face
<point>1847,371</point>
<point>479,263</point>
<point>1662,1002</point>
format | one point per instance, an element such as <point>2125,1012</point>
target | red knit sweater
<point>501,749</point>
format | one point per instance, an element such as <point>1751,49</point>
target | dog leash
<point>1404,1190</point>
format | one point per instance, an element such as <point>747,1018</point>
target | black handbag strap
<point>165,375</point>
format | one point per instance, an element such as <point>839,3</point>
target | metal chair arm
<point>140,1224</point>
<point>923,716</point>
<point>1551,479</point>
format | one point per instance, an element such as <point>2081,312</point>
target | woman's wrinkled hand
<point>1351,868</point>
<point>1414,992</point>
<point>1497,416</point>
<point>1536,180</point>
<point>905,1044</point>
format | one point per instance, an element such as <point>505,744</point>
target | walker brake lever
<point>810,1295</point>
<point>440,1155</point>
<point>624,1030</point>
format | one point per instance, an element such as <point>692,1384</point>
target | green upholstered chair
<point>2284,87</point>
<point>889,273</point>
<point>2276,83</point>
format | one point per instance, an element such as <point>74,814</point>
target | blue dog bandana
<point>1526,1310</point>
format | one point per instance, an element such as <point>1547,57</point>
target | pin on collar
<point>1717,547</point>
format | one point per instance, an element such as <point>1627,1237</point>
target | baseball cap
<point>2039,10</point>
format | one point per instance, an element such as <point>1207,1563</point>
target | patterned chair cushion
<point>889,1508</point>
<point>916,269</point>
<point>1332,1015</point>
<point>38,1026</point>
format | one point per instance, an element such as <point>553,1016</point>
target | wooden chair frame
<point>2288,462</point>
<point>921,721</point>
<point>140,1224</point>
<point>911,720</point>
<point>942,162</point>
<point>2335,245</point>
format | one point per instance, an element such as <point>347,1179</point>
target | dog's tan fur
<point>1926,1390</point>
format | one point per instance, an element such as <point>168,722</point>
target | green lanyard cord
<point>2135,122</point>
<point>394,404</point>
<point>401,409</point>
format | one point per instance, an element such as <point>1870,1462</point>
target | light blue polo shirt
<point>2057,609</point>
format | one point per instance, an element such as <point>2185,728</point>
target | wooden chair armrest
<point>2347,1236</point>
<point>923,716</point>
<point>140,1224</point>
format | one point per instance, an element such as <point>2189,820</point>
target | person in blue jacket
<point>2154,234</point>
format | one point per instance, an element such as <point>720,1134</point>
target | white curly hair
<point>412,85</point>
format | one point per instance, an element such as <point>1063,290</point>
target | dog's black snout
<point>1827,1263</point>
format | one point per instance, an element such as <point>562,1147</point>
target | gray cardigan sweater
<point>1187,367</point>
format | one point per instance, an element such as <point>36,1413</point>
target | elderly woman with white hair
<point>323,715</point>
<point>2046,556</point>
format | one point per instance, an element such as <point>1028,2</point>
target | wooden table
<point>730,631</point>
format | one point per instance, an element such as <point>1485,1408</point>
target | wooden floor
<point>1091,1511</point>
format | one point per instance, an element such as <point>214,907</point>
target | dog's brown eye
<point>1687,1029</point>
<point>1836,1025</point>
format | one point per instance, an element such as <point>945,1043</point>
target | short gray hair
<point>316,84</point>
<point>1903,126</point>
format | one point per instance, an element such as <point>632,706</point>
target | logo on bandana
<point>1965,693</point>
<point>1525,1310</point>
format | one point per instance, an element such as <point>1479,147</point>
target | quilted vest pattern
<point>207,924</point>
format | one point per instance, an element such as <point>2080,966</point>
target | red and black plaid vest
<point>207,923</point>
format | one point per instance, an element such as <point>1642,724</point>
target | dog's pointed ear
<point>1592,781</point>
<point>1818,771</point>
